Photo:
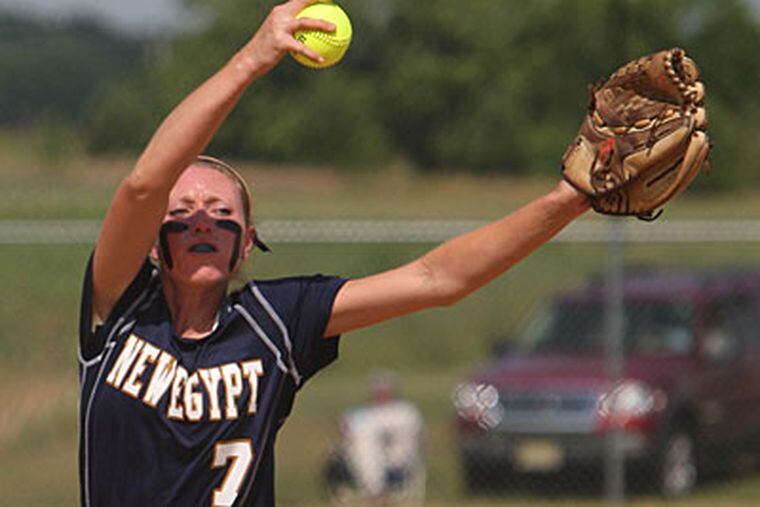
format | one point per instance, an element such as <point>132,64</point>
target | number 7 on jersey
<point>240,453</point>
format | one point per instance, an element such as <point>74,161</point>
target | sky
<point>139,16</point>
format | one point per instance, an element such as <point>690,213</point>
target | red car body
<point>686,399</point>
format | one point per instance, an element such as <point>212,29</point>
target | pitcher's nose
<point>200,222</point>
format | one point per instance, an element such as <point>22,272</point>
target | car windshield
<point>571,325</point>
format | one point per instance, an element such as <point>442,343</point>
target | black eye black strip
<point>170,227</point>
<point>234,228</point>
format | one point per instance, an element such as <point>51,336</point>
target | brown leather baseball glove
<point>644,138</point>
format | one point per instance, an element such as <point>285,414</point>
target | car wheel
<point>678,465</point>
<point>472,477</point>
<point>478,475</point>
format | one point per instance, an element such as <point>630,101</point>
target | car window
<point>662,327</point>
<point>732,323</point>
<point>652,327</point>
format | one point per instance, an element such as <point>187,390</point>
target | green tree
<point>483,85</point>
<point>52,70</point>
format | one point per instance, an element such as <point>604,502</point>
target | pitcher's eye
<point>223,211</point>
<point>178,212</point>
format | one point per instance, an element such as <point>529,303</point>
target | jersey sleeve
<point>313,351</point>
<point>305,305</point>
<point>92,338</point>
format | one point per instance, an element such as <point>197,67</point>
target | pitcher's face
<point>204,236</point>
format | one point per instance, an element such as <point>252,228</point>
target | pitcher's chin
<point>206,275</point>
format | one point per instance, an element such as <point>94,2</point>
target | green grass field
<point>430,351</point>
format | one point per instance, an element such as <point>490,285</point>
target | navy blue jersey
<point>170,421</point>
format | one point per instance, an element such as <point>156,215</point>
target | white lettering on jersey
<point>193,399</point>
<point>186,401</point>
<point>233,386</point>
<point>175,409</point>
<point>132,385</point>
<point>211,378</point>
<point>253,370</point>
<point>124,361</point>
<point>163,374</point>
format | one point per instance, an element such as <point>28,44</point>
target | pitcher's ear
<point>248,242</point>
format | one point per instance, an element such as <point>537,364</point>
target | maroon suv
<point>687,399</point>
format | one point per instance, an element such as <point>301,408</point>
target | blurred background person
<point>380,457</point>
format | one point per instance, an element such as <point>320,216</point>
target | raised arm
<point>134,217</point>
<point>458,267</point>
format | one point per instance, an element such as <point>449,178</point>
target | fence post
<point>614,466</point>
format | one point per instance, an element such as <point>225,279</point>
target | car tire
<point>478,476</point>
<point>677,467</point>
<point>472,477</point>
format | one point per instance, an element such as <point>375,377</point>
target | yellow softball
<point>332,46</point>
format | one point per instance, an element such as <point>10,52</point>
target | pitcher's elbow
<point>139,189</point>
<point>440,290</point>
<point>450,294</point>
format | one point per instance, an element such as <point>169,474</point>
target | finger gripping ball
<point>331,45</point>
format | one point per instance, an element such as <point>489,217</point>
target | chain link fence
<point>29,232</point>
<point>619,362</point>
